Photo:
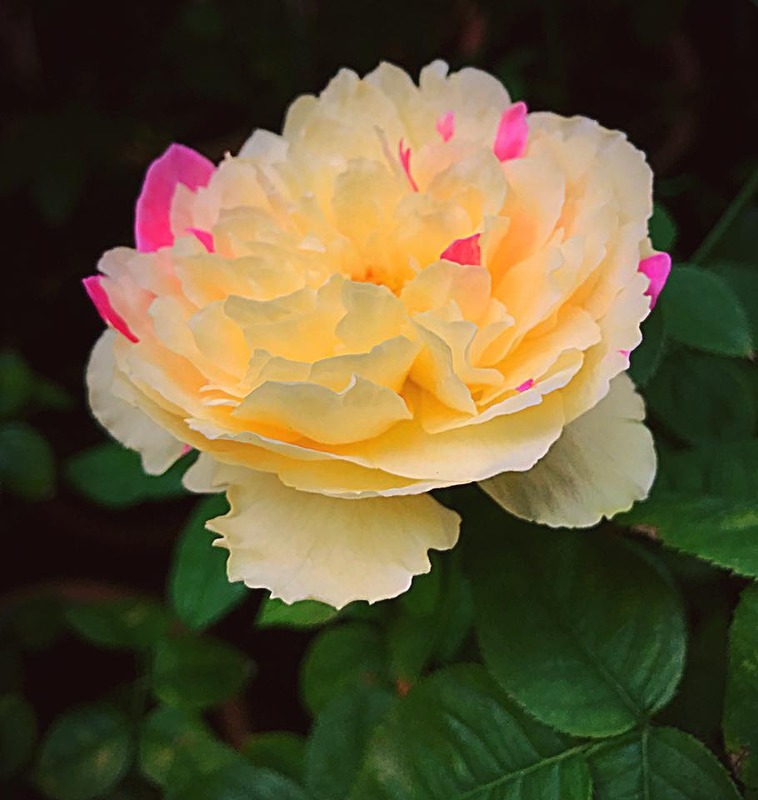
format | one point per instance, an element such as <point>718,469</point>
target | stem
<point>727,218</point>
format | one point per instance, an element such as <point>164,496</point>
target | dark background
<point>91,93</point>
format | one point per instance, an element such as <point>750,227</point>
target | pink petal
<point>204,237</point>
<point>625,353</point>
<point>464,251</point>
<point>179,164</point>
<point>405,159</point>
<point>657,268</point>
<point>510,140</point>
<point>186,448</point>
<point>446,126</point>
<point>94,288</point>
<point>522,387</point>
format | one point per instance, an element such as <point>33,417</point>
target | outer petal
<point>603,462</point>
<point>124,421</point>
<point>302,545</point>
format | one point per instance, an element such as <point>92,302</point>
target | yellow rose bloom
<point>412,287</point>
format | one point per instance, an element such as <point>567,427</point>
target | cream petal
<point>603,463</point>
<point>307,546</point>
<point>122,419</point>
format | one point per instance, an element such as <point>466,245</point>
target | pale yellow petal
<point>602,464</point>
<point>307,546</point>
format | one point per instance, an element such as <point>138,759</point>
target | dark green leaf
<point>662,764</point>
<point>176,747</point>
<point>701,310</point>
<point>239,781</point>
<point>663,231</point>
<point>27,463</point>
<point>577,627</point>
<point>112,476</point>
<point>702,398</point>
<point>279,751</point>
<point>84,754</point>
<point>339,739</point>
<point>16,384</point>
<point>647,357</point>
<point>741,706</point>
<point>339,659</point>
<point>275,613</point>
<point>743,278</point>
<point>199,590</point>
<point>35,622</point>
<point>704,503</point>
<point>18,730</point>
<point>198,672</point>
<point>457,735</point>
<point>129,623</point>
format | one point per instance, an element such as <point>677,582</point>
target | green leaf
<point>430,621</point>
<point>580,629</point>
<point>339,740</point>
<point>84,754</point>
<point>18,731</point>
<point>199,590</point>
<point>128,624</point>
<point>239,781</point>
<point>458,735</point>
<point>27,462</point>
<point>647,357</point>
<point>701,310</point>
<point>741,705</point>
<point>339,659</point>
<point>279,751</point>
<point>704,503</point>
<point>661,764</point>
<point>112,476</point>
<point>35,622</point>
<point>198,672</point>
<point>16,384</point>
<point>175,748</point>
<point>275,613</point>
<point>725,407</point>
<point>743,279</point>
<point>663,230</point>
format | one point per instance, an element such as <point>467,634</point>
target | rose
<point>411,288</point>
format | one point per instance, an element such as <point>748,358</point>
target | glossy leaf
<point>458,735</point>
<point>129,623</point>
<point>112,476</point>
<point>339,740</point>
<point>199,590</point>
<point>741,705</point>
<point>704,503</point>
<point>661,764</point>
<point>339,659</point>
<point>701,310</point>
<point>197,672</point>
<point>580,629</point>
<point>275,613</point>
<point>18,731</point>
<point>85,753</point>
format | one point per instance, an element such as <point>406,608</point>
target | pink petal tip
<point>204,237</point>
<point>179,164</point>
<point>657,268</point>
<point>512,132</point>
<point>446,126</point>
<point>464,251</point>
<point>94,288</point>
<point>404,154</point>
<point>523,387</point>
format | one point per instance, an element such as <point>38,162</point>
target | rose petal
<point>446,126</point>
<point>179,164</point>
<point>512,132</point>
<point>525,386</point>
<point>657,268</point>
<point>602,464</point>
<point>204,237</point>
<point>464,251</point>
<point>307,546</point>
<point>94,288</point>
<point>405,159</point>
